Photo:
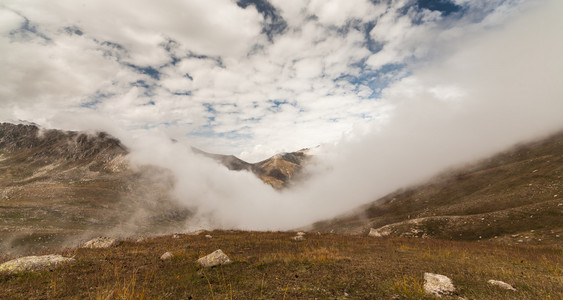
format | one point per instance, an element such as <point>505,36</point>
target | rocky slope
<point>515,197</point>
<point>59,187</point>
<point>62,187</point>
<point>279,171</point>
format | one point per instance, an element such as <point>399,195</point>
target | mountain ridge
<point>514,196</point>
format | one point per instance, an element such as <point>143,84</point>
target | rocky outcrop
<point>380,232</point>
<point>438,285</point>
<point>214,259</point>
<point>34,263</point>
<point>101,242</point>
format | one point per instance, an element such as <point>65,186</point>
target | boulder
<point>300,233</point>
<point>298,238</point>
<point>380,232</point>
<point>101,242</point>
<point>438,285</point>
<point>501,284</point>
<point>208,236</point>
<point>166,256</point>
<point>214,259</point>
<point>34,263</point>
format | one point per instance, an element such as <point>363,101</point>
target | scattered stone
<point>300,233</point>
<point>197,232</point>
<point>298,238</point>
<point>140,240</point>
<point>214,259</point>
<point>34,263</point>
<point>175,236</point>
<point>208,236</point>
<point>101,242</point>
<point>166,256</point>
<point>438,285</point>
<point>380,232</point>
<point>501,284</point>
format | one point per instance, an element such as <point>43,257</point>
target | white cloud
<point>469,85</point>
<point>215,53</point>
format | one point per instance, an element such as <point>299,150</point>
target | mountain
<point>514,197</point>
<point>58,187</point>
<point>277,171</point>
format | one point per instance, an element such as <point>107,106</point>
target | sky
<point>249,77</point>
<point>393,92</point>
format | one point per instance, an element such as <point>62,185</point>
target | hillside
<point>514,197</point>
<point>61,187</point>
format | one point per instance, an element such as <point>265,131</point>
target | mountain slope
<point>516,196</point>
<point>277,171</point>
<point>58,187</point>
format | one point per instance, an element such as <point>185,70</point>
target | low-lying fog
<point>484,94</point>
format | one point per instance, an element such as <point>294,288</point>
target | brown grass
<point>269,265</point>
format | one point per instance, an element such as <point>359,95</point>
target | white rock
<point>197,232</point>
<point>438,285</point>
<point>208,236</point>
<point>214,259</point>
<point>298,238</point>
<point>33,263</point>
<point>101,242</point>
<point>380,232</point>
<point>501,284</point>
<point>301,233</point>
<point>166,256</point>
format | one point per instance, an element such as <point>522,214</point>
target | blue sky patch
<point>446,7</point>
<point>273,23</point>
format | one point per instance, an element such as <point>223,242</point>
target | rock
<point>101,242</point>
<point>34,263</point>
<point>438,285</point>
<point>501,284</point>
<point>214,259</point>
<point>380,232</point>
<point>298,238</point>
<point>166,256</point>
<point>300,233</point>
<point>197,232</point>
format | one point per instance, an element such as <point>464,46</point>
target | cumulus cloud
<point>380,80</point>
<point>313,69</point>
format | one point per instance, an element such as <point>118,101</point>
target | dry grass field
<point>269,265</point>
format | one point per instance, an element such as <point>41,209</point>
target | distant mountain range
<point>59,187</point>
